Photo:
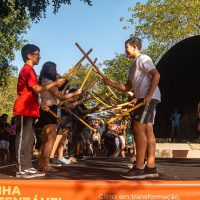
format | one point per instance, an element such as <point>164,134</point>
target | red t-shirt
<point>27,103</point>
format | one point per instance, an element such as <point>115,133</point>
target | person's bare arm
<point>154,82</point>
<point>72,94</point>
<point>61,96</point>
<point>120,86</point>
<point>41,88</point>
<point>66,101</point>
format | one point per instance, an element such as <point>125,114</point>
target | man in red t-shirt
<point>26,108</point>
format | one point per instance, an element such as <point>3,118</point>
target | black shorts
<point>46,118</point>
<point>145,114</point>
<point>95,144</point>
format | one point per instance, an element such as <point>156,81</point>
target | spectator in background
<point>122,135</point>
<point>175,124</point>
<point>96,141</point>
<point>4,139</point>
<point>12,140</point>
<point>101,126</point>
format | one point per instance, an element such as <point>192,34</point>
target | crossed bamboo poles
<point>73,71</point>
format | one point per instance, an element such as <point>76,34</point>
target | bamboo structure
<point>81,120</point>
<point>95,67</point>
<point>54,115</point>
<point>65,76</point>
<point>125,113</point>
<point>99,100</point>
<point>91,85</point>
<point>87,75</point>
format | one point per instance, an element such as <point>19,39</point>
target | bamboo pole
<point>113,102</point>
<point>100,96</point>
<point>87,75</point>
<point>69,79</point>
<point>126,112</point>
<point>82,121</point>
<point>65,76</point>
<point>106,85</point>
<point>116,100</point>
<point>95,67</point>
<point>75,72</point>
<point>92,63</point>
<point>99,100</point>
<point>54,115</point>
<point>91,85</point>
<point>85,100</point>
<point>116,106</point>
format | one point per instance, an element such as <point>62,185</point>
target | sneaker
<point>35,172</point>
<point>134,173</point>
<point>151,172</point>
<point>39,174</point>
<point>31,170</point>
<point>55,163</point>
<point>65,161</point>
<point>24,174</point>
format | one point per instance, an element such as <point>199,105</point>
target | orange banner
<point>97,190</point>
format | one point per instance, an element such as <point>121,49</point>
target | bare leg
<point>151,145</point>
<point>141,143</point>
<point>55,145</point>
<point>78,147</point>
<point>49,139</point>
<point>62,143</point>
<point>123,153</point>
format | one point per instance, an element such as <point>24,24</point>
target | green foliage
<point>164,22</point>
<point>12,28</point>
<point>15,18</point>
<point>35,9</point>
<point>77,80</point>
<point>8,95</point>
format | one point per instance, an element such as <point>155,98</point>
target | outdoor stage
<point>110,169</point>
<point>99,178</point>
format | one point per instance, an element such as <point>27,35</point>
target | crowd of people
<point>104,140</point>
<point>59,112</point>
<point>7,139</point>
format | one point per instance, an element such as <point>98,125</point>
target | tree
<point>164,23</point>
<point>35,9</point>
<point>15,19</point>
<point>8,96</point>
<point>12,27</point>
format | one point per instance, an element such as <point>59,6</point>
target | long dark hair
<point>48,71</point>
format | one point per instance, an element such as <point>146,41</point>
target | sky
<point>97,27</point>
